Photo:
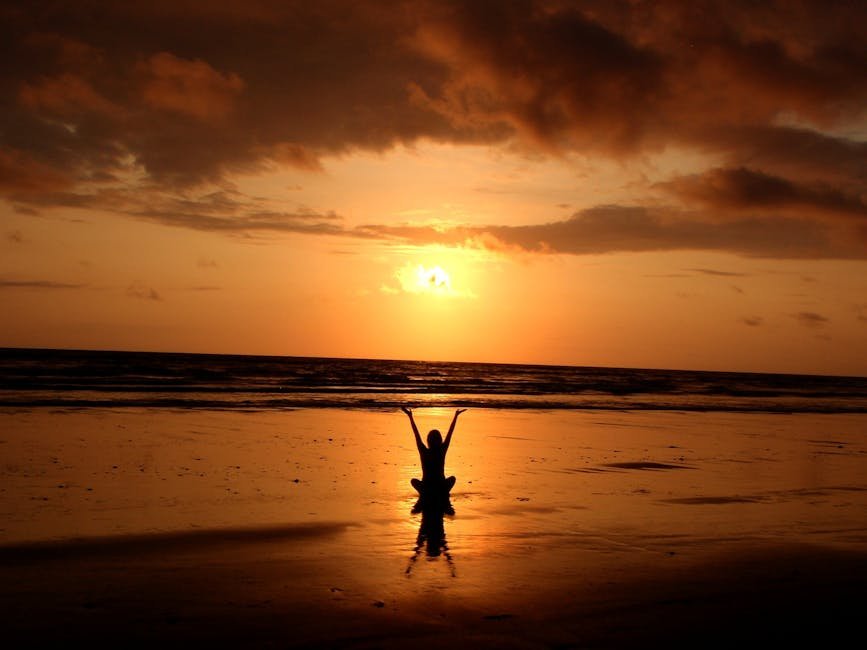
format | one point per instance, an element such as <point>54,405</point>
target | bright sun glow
<point>420,279</point>
<point>434,279</point>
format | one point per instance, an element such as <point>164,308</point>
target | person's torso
<point>433,464</point>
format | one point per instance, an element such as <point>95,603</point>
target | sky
<point>629,184</point>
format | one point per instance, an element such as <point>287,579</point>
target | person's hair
<point>434,438</point>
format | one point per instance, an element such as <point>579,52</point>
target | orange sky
<point>666,184</point>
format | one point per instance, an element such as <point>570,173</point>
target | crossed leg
<point>448,484</point>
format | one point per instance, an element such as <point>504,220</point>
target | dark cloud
<point>181,94</point>
<point>781,150</point>
<point>191,91</point>
<point>752,321</point>
<point>748,190</point>
<point>38,284</point>
<point>620,78</point>
<point>557,76</point>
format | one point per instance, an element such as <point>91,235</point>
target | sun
<point>421,280</point>
<point>433,280</point>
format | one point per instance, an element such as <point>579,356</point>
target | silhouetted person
<point>433,487</point>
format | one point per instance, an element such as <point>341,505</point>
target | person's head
<point>434,439</point>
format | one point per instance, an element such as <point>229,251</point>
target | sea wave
<point>64,378</point>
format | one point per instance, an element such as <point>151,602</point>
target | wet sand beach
<point>294,528</point>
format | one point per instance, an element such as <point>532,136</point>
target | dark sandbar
<point>161,543</point>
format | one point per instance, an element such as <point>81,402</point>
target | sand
<point>571,529</point>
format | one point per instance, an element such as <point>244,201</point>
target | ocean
<point>32,378</point>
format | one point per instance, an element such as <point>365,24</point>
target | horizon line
<point>4,349</point>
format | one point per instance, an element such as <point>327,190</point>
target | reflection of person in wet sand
<point>432,540</point>
<point>433,484</point>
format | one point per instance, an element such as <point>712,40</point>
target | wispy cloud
<point>811,319</point>
<point>142,292</point>
<point>224,211</point>
<point>717,272</point>
<point>38,284</point>
<point>616,228</point>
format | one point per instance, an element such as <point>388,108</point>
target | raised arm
<point>452,429</point>
<point>418,442</point>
